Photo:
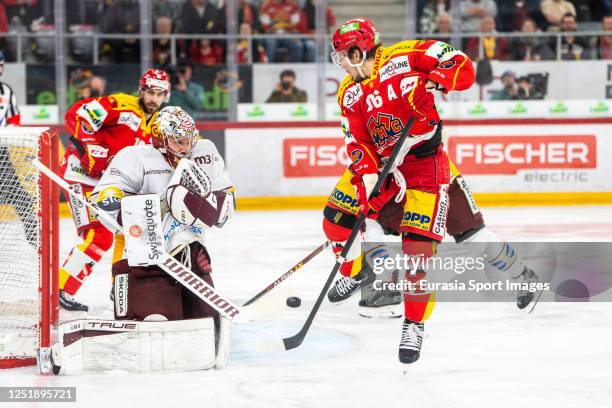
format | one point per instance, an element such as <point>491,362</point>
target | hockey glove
<point>372,206</point>
<point>94,159</point>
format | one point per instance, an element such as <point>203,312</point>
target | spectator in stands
<point>573,47</point>
<point>308,26</point>
<point>246,14</point>
<point>180,96</point>
<point>200,17</point>
<point>281,17</point>
<point>604,42</point>
<point>512,13</point>
<point>430,11</point>
<point>206,52</point>
<point>25,12</point>
<point>4,24</point>
<point>525,89</point>
<point>509,91</point>
<point>123,16</point>
<point>167,8</point>
<point>86,84</point>
<point>195,90</point>
<point>531,48</point>
<point>590,10</point>
<point>494,48</point>
<point>285,91</point>
<point>162,47</point>
<point>308,22</point>
<point>554,10</point>
<point>444,25</point>
<point>249,50</point>
<point>473,11</point>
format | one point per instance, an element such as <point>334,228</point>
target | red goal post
<point>29,244</point>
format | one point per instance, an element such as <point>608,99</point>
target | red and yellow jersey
<point>114,122</point>
<point>375,110</point>
<point>102,126</point>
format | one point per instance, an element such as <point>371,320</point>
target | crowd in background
<point>527,16</point>
<point>298,17</point>
<point>434,18</point>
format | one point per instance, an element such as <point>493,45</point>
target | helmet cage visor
<point>181,143</point>
<point>339,58</point>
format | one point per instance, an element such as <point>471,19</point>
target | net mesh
<point>20,242</point>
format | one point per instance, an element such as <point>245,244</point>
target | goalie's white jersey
<point>143,169</point>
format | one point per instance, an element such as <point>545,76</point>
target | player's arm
<point>200,192</point>
<point>124,176</point>
<point>222,185</point>
<point>85,122</point>
<point>447,69</point>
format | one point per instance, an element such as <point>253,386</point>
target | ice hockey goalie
<point>159,324</point>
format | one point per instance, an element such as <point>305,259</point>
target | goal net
<point>29,221</point>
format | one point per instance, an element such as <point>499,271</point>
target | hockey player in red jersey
<point>386,86</point>
<point>99,128</point>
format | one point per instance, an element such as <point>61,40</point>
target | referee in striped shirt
<point>9,111</point>
<point>13,192</point>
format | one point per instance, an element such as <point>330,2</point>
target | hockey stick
<point>297,339</point>
<point>171,266</point>
<point>288,273</point>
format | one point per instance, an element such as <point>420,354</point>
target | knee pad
<point>413,244</point>
<point>335,232</point>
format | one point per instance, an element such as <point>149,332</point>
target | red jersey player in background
<point>386,86</point>
<point>100,128</point>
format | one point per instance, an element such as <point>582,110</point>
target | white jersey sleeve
<point>124,176</point>
<point>206,155</point>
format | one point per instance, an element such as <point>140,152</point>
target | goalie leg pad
<point>98,345</point>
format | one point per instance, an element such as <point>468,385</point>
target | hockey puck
<point>294,301</point>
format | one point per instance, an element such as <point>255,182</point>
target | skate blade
<point>535,301</point>
<point>382,312</point>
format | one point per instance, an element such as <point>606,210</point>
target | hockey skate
<point>382,303</point>
<point>524,297</point>
<point>67,302</point>
<point>410,344</point>
<point>344,288</point>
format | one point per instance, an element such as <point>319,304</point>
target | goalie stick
<point>297,339</point>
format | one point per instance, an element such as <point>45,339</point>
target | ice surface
<point>475,355</point>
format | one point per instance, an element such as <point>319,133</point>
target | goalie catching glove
<point>191,201</point>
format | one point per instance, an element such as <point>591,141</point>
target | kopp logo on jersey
<point>314,157</point>
<point>510,154</point>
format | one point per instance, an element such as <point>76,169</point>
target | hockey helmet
<point>174,133</point>
<point>358,33</point>
<point>155,79</point>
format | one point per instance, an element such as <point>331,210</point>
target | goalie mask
<point>174,133</point>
